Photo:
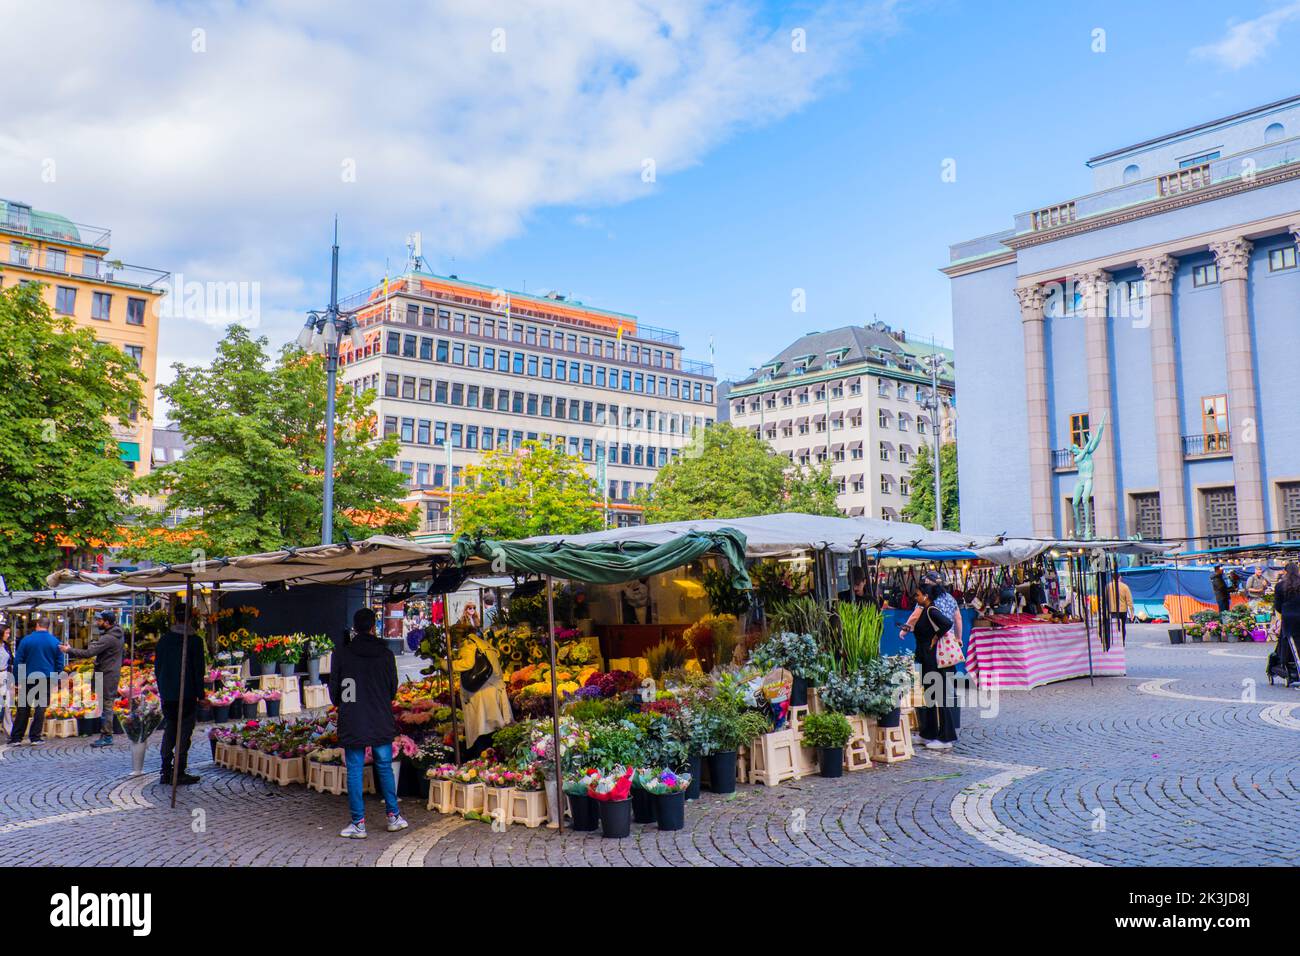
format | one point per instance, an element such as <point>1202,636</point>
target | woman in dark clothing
<point>1286,602</point>
<point>938,719</point>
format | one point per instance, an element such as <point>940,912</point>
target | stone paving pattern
<point>1122,773</point>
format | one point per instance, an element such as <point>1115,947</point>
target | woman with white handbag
<point>939,652</point>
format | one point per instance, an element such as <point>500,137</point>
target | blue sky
<point>210,137</point>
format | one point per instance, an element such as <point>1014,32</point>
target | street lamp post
<point>321,335</point>
<point>934,363</point>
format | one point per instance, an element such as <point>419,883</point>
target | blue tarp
<point>1150,584</point>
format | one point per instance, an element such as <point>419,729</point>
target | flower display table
<point>1031,655</point>
<point>527,807</point>
<point>440,796</point>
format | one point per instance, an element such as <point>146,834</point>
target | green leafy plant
<point>803,615</point>
<point>724,598</point>
<point>614,744</point>
<point>512,741</point>
<point>797,653</point>
<point>827,729</point>
<point>858,637</point>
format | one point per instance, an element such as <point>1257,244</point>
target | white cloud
<point>1248,41</point>
<point>227,165</point>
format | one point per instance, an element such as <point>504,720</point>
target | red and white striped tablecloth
<point>1021,658</point>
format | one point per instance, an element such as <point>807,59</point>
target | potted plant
<point>612,793</point>
<point>828,732</point>
<point>272,700</point>
<point>141,715</point>
<point>404,748</point>
<point>668,790</point>
<point>318,645</point>
<point>249,700</point>
<point>291,650</point>
<point>643,803</point>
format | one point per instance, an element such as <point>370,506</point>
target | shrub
<point>828,729</point>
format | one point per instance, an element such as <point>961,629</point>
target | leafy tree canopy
<point>252,478</point>
<point>61,480</point>
<point>536,489</point>
<point>920,504</point>
<point>726,472</point>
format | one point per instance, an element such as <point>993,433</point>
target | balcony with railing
<point>96,268</point>
<point>47,227</point>
<point>1246,165</point>
<point>1063,460</point>
<point>1217,445</point>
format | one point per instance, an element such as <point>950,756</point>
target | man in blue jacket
<point>37,664</point>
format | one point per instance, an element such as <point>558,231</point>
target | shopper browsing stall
<point>363,684</point>
<point>938,655</point>
<point>37,664</point>
<point>484,700</point>
<point>106,649</point>
<point>179,693</point>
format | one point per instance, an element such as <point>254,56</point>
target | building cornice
<point>843,371</point>
<point>1155,208</point>
<point>978,263</point>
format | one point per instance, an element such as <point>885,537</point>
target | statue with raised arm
<point>1083,486</point>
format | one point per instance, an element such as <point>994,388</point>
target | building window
<point>136,352</point>
<point>1214,422</point>
<point>883,418</point>
<point>1219,513</point>
<point>886,485</point>
<point>1279,259</point>
<point>1079,431</point>
<point>884,451</point>
<point>101,306</point>
<point>1205,275</point>
<point>135,311</point>
<point>56,260</point>
<point>65,300</point>
<point>1146,515</point>
<point>902,486</point>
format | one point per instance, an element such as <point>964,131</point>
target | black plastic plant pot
<point>221,714</point>
<point>213,744</point>
<point>583,810</point>
<point>799,692</point>
<point>695,767</point>
<point>643,805</point>
<point>615,818</point>
<point>273,708</point>
<point>832,761</point>
<point>1175,635</point>
<point>722,772</point>
<point>670,810</point>
<point>891,719</point>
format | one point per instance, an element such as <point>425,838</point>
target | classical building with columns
<point>1164,303</point>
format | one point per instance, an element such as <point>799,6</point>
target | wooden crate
<point>497,799</point>
<point>857,754</point>
<point>244,760</point>
<point>60,729</point>
<point>774,758</point>
<point>219,753</point>
<point>314,696</point>
<point>327,777</point>
<point>743,769</point>
<point>814,701</point>
<point>796,717</point>
<point>439,796</point>
<point>467,796</point>
<point>892,744</point>
<point>283,771</point>
<point>806,761</point>
<point>528,807</point>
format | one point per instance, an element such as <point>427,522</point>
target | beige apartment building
<point>858,397</point>
<point>462,368</point>
<point>114,300</point>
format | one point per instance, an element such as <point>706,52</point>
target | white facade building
<point>857,397</point>
<point>461,368</point>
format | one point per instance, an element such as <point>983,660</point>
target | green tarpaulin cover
<point>609,562</point>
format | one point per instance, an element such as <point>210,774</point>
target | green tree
<point>726,472</point>
<point>537,489</point>
<point>252,479</point>
<point>920,503</point>
<point>61,480</point>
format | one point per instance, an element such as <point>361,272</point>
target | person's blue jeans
<point>355,757</point>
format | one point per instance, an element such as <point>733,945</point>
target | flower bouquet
<point>613,795</point>
<point>582,808</point>
<point>668,789</point>
<point>443,771</point>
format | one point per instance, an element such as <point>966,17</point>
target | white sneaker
<point>354,831</point>
<point>397,822</point>
<point>937,745</point>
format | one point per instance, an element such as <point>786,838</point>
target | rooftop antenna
<point>415,260</point>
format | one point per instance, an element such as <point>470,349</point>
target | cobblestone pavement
<point>1187,761</point>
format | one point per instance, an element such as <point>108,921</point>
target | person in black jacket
<point>174,691</point>
<point>106,648</point>
<point>939,719</point>
<point>363,683</point>
<point>1223,588</point>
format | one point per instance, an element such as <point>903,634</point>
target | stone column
<point>1233,258</point>
<point>1095,290</point>
<point>1158,272</point>
<point>1039,424</point>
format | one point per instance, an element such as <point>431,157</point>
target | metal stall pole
<point>180,697</point>
<point>451,676</point>
<point>555,709</point>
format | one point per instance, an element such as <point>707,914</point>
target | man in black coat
<point>176,689</point>
<point>1222,592</point>
<point>363,683</point>
<point>106,648</point>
